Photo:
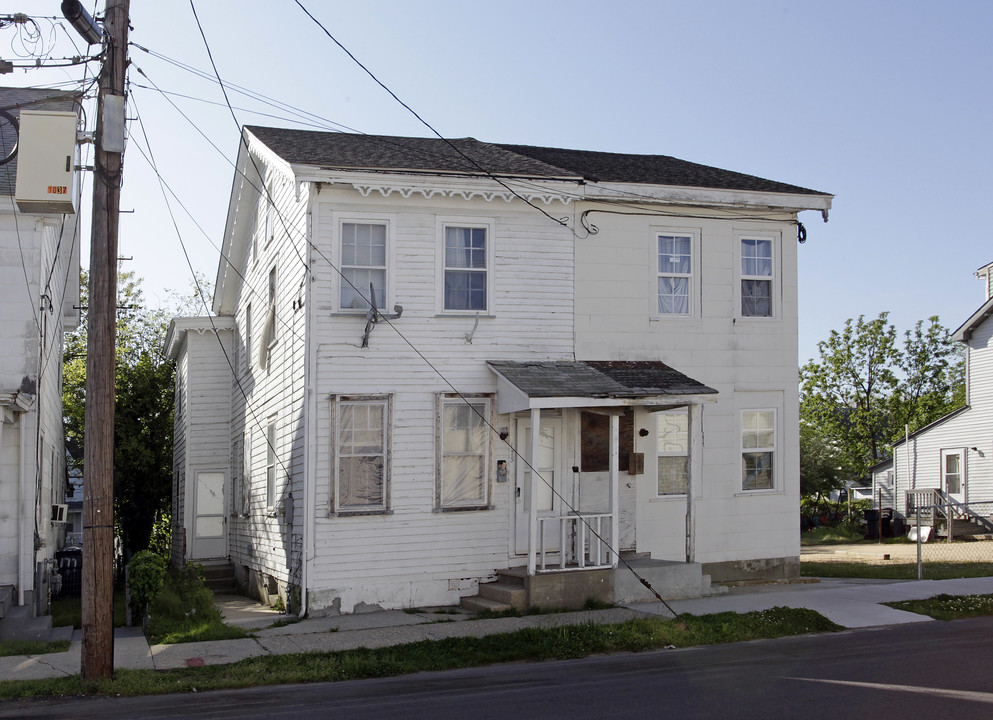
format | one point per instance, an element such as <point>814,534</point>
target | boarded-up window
<point>595,440</point>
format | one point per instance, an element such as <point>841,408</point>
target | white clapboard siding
<point>918,463</point>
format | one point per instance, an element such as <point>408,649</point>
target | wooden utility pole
<point>98,494</point>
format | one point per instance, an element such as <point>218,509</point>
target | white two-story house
<point>39,274</point>
<point>950,461</point>
<point>573,356</point>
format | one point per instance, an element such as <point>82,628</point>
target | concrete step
<point>506,592</point>
<point>671,579</point>
<point>219,577</point>
<point>61,633</point>
<point>20,624</point>
<point>6,598</point>
<point>482,604</point>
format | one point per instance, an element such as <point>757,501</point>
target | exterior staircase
<point>219,577</point>
<point>515,589</point>
<point>507,593</point>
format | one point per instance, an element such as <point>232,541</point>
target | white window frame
<point>772,278</point>
<point>692,277</point>
<point>963,455</point>
<point>270,329</point>
<point>339,402</point>
<point>248,338</point>
<point>270,464</point>
<point>339,221</point>
<point>773,449</point>
<point>446,401</point>
<point>662,453</point>
<point>245,497</point>
<point>269,214</point>
<point>474,223</point>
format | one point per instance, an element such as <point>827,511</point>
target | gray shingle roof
<point>13,100</point>
<point>598,379</point>
<point>433,155</point>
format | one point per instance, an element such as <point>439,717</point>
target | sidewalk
<point>850,603</point>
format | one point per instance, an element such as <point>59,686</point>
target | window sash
<point>675,268</point>
<point>953,473</point>
<point>361,459</point>
<point>270,465</point>
<point>758,447</point>
<point>756,277</point>
<point>465,449</point>
<point>363,262</point>
<point>465,268</point>
<point>673,450</point>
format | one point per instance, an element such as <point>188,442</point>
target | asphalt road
<point>934,670</point>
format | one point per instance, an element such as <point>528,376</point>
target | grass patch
<point>68,611</point>
<point>590,604</point>
<point>840,535</point>
<point>32,647</point>
<point>529,644</point>
<point>184,611</point>
<point>895,571</point>
<point>948,607</point>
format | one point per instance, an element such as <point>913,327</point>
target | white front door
<point>546,501</point>
<point>953,473</point>
<point>209,521</point>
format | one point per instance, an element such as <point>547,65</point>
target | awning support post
<point>533,491</point>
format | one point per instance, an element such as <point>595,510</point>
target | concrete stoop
<point>20,623</point>
<point>671,579</point>
<point>6,599</point>
<point>219,577</point>
<point>568,590</point>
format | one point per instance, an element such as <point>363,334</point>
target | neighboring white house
<point>39,274</point>
<point>574,353</point>
<point>951,459</point>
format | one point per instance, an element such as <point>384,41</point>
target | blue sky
<point>887,105</point>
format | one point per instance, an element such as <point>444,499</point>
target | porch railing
<point>582,541</point>
<point>935,506</point>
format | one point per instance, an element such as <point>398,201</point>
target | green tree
<point>866,386</point>
<point>143,411</point>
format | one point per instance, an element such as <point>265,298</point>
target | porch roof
<point>538,384</point>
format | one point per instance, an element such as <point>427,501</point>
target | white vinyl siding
<point>463,478</point>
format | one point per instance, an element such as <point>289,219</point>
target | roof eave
<point>686,195</point>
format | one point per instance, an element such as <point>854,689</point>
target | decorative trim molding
<point>405,191</point>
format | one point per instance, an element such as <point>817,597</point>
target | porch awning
<point>581,384</point>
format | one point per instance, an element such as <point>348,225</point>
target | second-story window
<point>363,263</point>
<point>465,268</point>
<point>756,277</point>
<point>675,274</point>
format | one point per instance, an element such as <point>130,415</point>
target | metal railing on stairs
<point>577,541</point>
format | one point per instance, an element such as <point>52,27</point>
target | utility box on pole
<point>46,160</point>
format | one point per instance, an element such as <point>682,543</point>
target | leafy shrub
<point>146,576</point>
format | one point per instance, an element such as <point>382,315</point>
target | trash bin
<point>887,518</point>
<point>70,563</point>
<point>871,524</point>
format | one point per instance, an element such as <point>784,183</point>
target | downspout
<point>25,575</point>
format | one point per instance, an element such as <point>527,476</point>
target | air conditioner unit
<point>59,513</point>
